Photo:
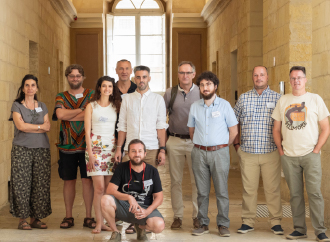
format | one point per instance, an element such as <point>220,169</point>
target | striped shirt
<point>253,112</point>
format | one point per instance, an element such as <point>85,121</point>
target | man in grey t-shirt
<point>179,144</point>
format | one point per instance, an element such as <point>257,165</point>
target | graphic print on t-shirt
<point>295,116</point>
<point>139,197</point>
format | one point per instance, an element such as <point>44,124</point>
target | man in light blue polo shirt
<point>212,127</point>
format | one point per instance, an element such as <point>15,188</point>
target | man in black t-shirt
<point>133,195</point>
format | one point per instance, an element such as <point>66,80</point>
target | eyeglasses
<point>73,76</point>
<point>298,78</point>
<point>185,73</point>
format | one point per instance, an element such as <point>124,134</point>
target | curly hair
<point>208,76</point>
<point>115,98</point>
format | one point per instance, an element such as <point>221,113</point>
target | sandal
<point>130,229</point>
<point>69,221</point>
<point>23,225</point>
<point>88,222</point>
<point>38,224</point>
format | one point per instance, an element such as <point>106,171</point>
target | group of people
<point>118,135</point>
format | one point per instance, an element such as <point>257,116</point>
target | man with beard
<point>69,108</point>
<point>133,195</point>
<point>143,116</point>
<point>212,127</point>
<point>257,151</point>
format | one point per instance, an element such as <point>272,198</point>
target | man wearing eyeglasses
<point>69,108</point>
<point>257,151</point>
<point>179,144</point>
<point>296,133</point>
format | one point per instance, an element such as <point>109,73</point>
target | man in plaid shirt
<point>258,152</point>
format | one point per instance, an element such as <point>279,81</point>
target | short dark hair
<point>298,68</point>
<point>209,76</point>
<point>137,141</point>
<point>69,69</point>
<point>187,63</point>
<point>141,68</point>
<point>260,66</point>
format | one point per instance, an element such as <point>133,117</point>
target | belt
<point>210,148</point>
<point>181,136</point>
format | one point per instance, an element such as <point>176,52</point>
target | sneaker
<point>244,229</point>
<point>203,229</point>
<point>140,233</point>
<point>296,235</point>
<point>177,223</point>
<point>322,237</point>
<point>116,236</point>
<point>277,229</point>
<point>223,231</point>
<point>196,223</point>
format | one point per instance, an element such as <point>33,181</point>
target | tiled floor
<point>8,224</point>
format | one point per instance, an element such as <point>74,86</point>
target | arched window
<point>136,32</point>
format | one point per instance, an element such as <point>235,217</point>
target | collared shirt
<point>181,106</point>
<point>140,117</point>
<point>211,123</point>
<point>253,112</point>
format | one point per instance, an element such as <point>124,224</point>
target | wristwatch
<point>38,127</point>
<point>162,148</point>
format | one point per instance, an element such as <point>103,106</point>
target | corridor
<point>9,231</point>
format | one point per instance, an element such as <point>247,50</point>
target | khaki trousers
<point>179,152</point>
<point>269,165</point>
<point>149,159</point>
<point>295,169</point>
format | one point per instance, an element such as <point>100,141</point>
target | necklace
<point>34,105</point>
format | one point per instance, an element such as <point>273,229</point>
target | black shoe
<point>277,229</point>
<point>244,229</point>
<point>296,235</point>
<point>322,237</point>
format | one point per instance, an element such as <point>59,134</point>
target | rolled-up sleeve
<point>161,116</point>
<point>191,117</point>
<point>122,125</point>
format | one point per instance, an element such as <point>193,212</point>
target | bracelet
<point>237,144</point>
<point>118,146</point>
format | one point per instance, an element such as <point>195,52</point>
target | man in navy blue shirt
<point>212,126</point>
<point>134,193</point>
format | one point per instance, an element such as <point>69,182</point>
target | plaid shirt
<point>253,112</point>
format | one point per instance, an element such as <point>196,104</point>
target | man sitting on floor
<point>133,195</point>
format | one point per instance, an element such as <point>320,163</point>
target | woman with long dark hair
<point>100,120</point>
<point>30,157</point>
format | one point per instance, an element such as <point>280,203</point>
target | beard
<point>142,87</point>
<point>208,96</point>
<point>136,160</point>
<point>75,86</point>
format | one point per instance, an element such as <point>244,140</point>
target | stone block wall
<point>23,21</point>
<point>320,83</point>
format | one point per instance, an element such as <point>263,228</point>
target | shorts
<point>68,166</point>
<point>123,214</point>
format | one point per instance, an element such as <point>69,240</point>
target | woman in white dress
<point>100,121</point>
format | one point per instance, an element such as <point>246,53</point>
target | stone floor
<point>9,231</point>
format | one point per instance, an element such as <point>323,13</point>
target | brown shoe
<point>204,229</point>
<point>223,231</point>
<point>177,223</point>
<point>196,223</point>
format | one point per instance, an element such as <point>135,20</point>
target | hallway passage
<point>9,231</point>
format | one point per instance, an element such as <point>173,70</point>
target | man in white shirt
<point>143,116</point>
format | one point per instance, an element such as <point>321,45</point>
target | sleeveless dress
<point>102,134</point>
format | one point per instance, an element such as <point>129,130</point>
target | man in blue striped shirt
<point>257,151</point>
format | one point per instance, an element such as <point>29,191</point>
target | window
<point>136,32</point>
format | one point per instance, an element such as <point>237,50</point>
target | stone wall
<point>187,6</point>
<point>25,22</point>
<point>320,81</point>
